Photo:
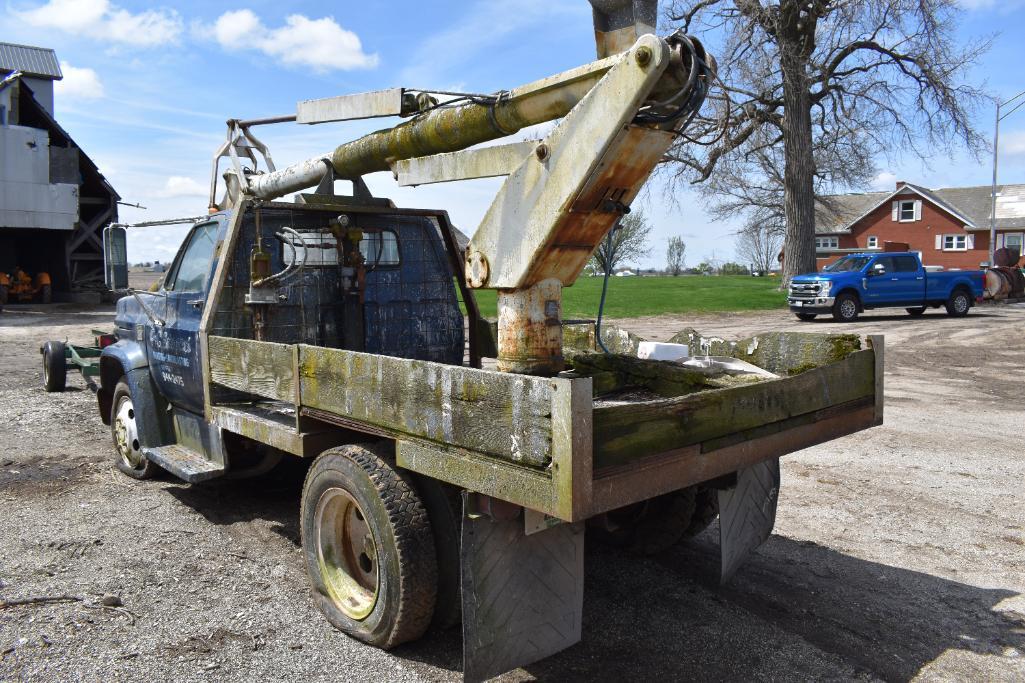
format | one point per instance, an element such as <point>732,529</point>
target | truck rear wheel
<point>650,527</point>
<point>55,372</point>
<point>958,303</point>
<point>127,449</point>
<point>369,547</point>
<point>845,308</point>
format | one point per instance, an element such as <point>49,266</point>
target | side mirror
<point>115,257</point>
<point>877,269</point>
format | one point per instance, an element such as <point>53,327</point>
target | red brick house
<point>949,227</point>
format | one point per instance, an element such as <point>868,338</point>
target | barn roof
<point>31,61</point>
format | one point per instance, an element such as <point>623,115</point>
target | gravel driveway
<point>899,552</point>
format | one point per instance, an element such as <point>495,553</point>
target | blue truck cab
<point>860,282</point>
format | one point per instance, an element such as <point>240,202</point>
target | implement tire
<point>55,370</point>
<point>369,547</point>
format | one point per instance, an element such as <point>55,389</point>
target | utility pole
<point>993,192</point>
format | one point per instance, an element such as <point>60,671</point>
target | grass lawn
<point>631,297</point>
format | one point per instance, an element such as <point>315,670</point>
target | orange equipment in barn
<point>23,287</point>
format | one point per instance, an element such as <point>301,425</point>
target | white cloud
<point>79,83</point>
<point>884,181</point>
<point>101,20</point>
<point>1013,144</point>
<point>318,43</point>
<point>181,186</point>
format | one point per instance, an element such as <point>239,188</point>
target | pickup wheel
<point>806,316</point>
<point>916,312</point>
<point>127,450</point>
<point>55,373</point>
<point>958,303</point>
<point>845,308</point>
<point>369,547</point>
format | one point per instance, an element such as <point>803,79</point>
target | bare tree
<point>814,91</point>
<point>627,241</point>
<point>675,253</point>
<point>759,244</point>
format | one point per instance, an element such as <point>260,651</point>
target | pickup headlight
<point>825,285</point>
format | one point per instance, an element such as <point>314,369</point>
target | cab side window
<point>193,265</point>
<point>905,264</point>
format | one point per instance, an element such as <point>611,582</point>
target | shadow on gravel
<point>825,318</point>
<point>273,497</point>
<point>668,618</point>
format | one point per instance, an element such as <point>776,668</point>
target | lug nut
<point>643,55</point>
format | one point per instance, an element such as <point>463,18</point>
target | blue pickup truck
<point>858,282</point>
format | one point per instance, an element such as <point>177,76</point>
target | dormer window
<point>907,210</point>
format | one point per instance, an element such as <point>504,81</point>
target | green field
<point>631,297</point>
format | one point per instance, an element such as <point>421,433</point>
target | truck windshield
<point>847,264</point>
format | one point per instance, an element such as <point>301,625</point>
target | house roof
<point>836,214</point>
<point>31,61</point>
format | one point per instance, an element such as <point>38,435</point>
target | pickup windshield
<point>847,264</point>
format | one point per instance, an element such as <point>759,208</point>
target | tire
<point>127,451</point>
<point>445,510</point>
<point>845,308</point>
<point>806,316</point>
<point>55,372</point>
<point>916,312</point>
<point>385,593</point>
<point>650,527</point>
<point>46,294</point>
<point>959,303</point>
<point>706,509</point>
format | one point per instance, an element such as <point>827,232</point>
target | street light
<point>996,141</point>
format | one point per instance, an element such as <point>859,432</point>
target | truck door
<point>880,282</point>
<point>174,348</point>
<point>908,278</point>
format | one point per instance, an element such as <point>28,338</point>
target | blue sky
<point>148,87</point>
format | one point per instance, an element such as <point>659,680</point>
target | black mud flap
<point>747,513</point>
<point>522,595</point>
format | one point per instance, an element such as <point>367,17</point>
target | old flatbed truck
<point>455,462</point>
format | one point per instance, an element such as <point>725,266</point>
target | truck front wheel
<point>958,304</point>
<point>369,547</point>
<point>128,451</point>
<point>845,308</point>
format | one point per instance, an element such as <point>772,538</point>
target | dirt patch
<point>897,552</point>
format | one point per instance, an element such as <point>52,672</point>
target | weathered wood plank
<point>626,432</point>
<point>524,486</point>
<point>785,353</point>
<point>259,368</point>
<point>500,414</point>
<point>682,467</point>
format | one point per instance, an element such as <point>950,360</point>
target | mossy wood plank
<point>259,368</point>
<point>500,414</point>
<point>626,432</point>
<point>785,353</point>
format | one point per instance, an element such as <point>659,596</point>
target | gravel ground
<point>899,552</point>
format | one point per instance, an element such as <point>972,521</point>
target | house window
<point>955,243</point>
<point>1013,241</point>
<point>873,242</point>
<point>906,211</point>
<point>827,242</point>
